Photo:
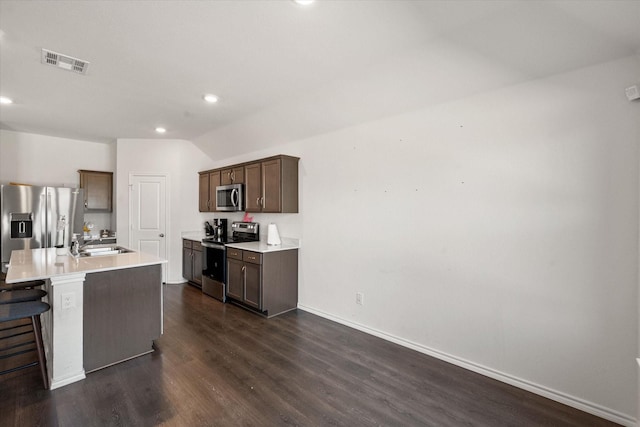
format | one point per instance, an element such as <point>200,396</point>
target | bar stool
<point>23,295</point>
<point>4,286</point>
<point>23,310</point>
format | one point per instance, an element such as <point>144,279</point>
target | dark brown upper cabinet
<point>98,190</point>
<point>270,185</point>
<point>207,191</point>
<point>232,176</point>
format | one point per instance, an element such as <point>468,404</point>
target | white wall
<point>179,160</point>
<point>46,160</point>
<point>499,232</point>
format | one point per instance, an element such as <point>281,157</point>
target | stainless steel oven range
<point>214,273</point>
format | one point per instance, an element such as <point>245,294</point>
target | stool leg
<point>37,330</point>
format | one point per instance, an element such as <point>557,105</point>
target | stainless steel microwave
<point>230,198</point>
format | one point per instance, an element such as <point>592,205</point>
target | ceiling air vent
<point>64,61</point>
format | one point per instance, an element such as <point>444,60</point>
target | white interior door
<point>148,211</point>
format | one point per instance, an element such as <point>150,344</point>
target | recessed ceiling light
<point>210,98</point>
<point>304,2</point>
<point>160,130</point>
<point>5,100</point>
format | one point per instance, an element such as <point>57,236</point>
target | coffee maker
<point>220,228</point>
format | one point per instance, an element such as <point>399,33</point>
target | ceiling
<point>282,71</point>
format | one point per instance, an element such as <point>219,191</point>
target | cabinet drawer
<point>186,243</point>
<point>252,257</point>
<point>197,246</point>
<point>234,253</point>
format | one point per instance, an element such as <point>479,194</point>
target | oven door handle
<point>219,246</point>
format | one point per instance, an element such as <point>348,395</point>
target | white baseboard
<point>55,383</point>
<point>563,398</point>
<point>177,282</point>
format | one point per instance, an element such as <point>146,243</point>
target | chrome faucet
<point>75,246</point>
<point>86,243</point>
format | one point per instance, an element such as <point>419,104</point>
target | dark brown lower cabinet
<point>192,261</point>
<point>122,315</point>
<point>235,277</point>
<point>265,282</point>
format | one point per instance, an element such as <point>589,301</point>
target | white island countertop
<point>39,264</point>
<point>263,247</point>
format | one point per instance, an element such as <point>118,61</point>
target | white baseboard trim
<point>563,398</point>
<point>61,382</point>
<point>177,282</point>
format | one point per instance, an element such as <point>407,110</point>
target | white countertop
<point>287,244</point>
<point>194,235</point>
<point>37,264</point>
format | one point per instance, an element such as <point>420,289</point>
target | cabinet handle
<point>232,176</point>
<point>86,204</point>
<point>243,268</point>
<point>258,201</point>
<point>262,201</point>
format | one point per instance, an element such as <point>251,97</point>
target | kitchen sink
<point>101,250</point>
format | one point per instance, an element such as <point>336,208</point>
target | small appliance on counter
<point>214,268</point>
<point>220,228</point>
<point>217,231</point>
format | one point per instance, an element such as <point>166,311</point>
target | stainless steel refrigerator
<point>38,217</point>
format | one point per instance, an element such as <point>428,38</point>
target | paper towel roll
<point>273,238</point>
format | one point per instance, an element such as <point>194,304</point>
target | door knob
<point>161,234</point>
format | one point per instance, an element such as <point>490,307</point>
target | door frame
<point>167,212</point>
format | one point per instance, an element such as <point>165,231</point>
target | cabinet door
<point>232,176</point>
<point>197,267</point>
<point>238,175</point>
<point>253,285</point>
<point>187,264</point>
<point>214,181</point>
<point>271,180</point>
<point>253,187</point>
<point>98,190</point>
<point>235,279</point>
<point>226,177</point>
<point>203,193</point>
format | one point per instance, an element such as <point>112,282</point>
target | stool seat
<point>4,286</point>
<point>21,296</point>
<point>21,310</point>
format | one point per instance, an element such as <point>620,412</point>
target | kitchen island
<point>104,309</point>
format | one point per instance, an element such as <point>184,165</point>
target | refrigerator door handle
<point>48,221</point>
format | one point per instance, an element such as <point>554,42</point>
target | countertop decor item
<point>273,237</point>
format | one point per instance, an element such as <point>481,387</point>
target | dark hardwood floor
<point>219,365</point>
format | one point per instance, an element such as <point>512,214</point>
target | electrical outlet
<point>359,298</point>
<point>68,300</point>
